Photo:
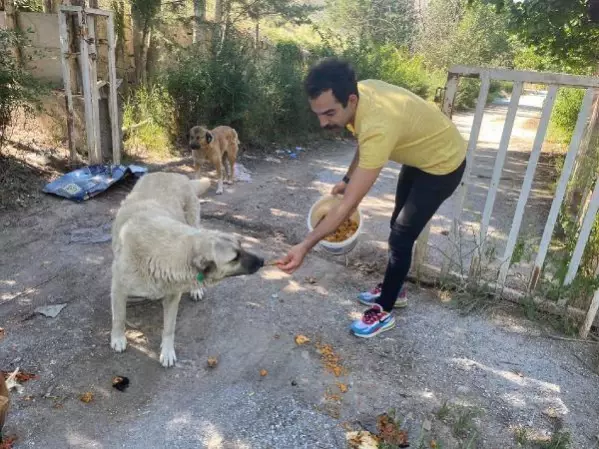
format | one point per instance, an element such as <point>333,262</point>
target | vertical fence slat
<point>87,96</point>
<point>112,100</point>
<point>583,236</point>
<point>66,76</point>
<point>527,184</point>
<point>590,318</point>
<point>499,162</point>
<point>460,195</point>
<point>93,74</point>
<point>583,114</point>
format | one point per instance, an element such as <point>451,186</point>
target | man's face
<point>331,113</point>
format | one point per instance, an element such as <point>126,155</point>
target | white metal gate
<point>519,78</point>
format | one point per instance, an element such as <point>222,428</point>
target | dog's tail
<point>200,186</point>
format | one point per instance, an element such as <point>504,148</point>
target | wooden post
<point>112,98</point>
<point>96,156</point>
<point>66,56</point>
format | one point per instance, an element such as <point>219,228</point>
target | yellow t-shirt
<point>392,123</point>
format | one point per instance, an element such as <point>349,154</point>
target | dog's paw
<point>198,294</point>
<point>118,343</point>
<point>168,357</point>
<point>229,182</point>
<point>219,190</point>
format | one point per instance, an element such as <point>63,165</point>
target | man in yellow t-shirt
<point>390,123</point>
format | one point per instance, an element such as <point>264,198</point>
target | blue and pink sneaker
<point>369,298</point>
<point>374,321</point>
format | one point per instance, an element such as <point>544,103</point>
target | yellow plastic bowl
<point>322,207</point>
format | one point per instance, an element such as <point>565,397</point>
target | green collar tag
<point>200,277</point>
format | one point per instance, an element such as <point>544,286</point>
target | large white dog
<point>160,252</point>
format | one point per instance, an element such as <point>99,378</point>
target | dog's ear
<point>208,137</point>
<point>203,263</point>
<point>224,251</point>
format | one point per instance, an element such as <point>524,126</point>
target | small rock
<point>51,311</point>
<point>427,425</point>
<point>294,383</point>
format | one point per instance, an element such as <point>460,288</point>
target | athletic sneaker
<point>374,321</point>
<point>369,298</point>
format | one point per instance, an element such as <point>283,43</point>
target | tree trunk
<point>199,17</point>
<point>48,6</point>
<point>218,11</point>
<point>257,31</point>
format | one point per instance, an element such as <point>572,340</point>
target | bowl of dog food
<point>345,238</point>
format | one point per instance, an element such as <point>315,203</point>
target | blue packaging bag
<point>85,183</point>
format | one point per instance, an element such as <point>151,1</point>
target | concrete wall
<point>42,55</point>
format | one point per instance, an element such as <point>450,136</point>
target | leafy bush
<point>18,90</point>
<point>261,96</point>
<point>565,114</point>
<point>148,117</point>
<point>393,65</point>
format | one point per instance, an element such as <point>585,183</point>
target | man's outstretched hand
<point>339,188</point>
<point>293,260</point>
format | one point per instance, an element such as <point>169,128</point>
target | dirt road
<point>496,370</point>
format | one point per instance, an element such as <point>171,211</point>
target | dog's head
<point>218,255</point>
<point>199,137</point>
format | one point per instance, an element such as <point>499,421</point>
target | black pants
<point>419,195</point>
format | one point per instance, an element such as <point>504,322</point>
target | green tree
<point>375,21</point>
<point>563,29</point>
<point>453,33</point>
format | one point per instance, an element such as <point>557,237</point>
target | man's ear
<point>208,137</point>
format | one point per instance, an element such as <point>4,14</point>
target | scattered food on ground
<point>212,362</point>
<point>332,362</point>
<point>361,440</point>
<point>342,387</point>
<point>87,397</point>
<point>301,340</point>
<point>263,373</point>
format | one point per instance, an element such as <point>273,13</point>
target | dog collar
<point>200,277</point>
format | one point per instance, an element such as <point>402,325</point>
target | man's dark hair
<point>332,74</point>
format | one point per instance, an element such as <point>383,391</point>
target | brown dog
<point>220,146</point>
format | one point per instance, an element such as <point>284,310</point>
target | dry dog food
<point>343,232</point>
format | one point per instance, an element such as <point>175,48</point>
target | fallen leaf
<point>263,372</point>
<point>434,444</point>
<point>87,397</point>
<point>21,376</point>
<point>212,362</point>
<point>301,339</point>
<point>342,387</point>
<point>7,442</point>
<point>2,333</point>
<point>390,432</point>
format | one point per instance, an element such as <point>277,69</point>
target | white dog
<point>161,252</point>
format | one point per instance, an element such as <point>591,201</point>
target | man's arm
<point>354,163</point>
<point>362,181</point>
